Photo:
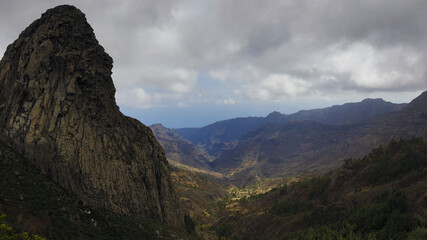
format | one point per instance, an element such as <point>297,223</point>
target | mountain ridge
<point>289,148</point>
<point>223,135</point>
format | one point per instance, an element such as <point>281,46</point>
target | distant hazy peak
<point>368,100</point>
<point>275,116</point>
<point>157,125</point>
<point>419,102</point>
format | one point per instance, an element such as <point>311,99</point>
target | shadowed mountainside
<point>223,135</point>
<point>348,113</point>
<point>180,150</point>
<point>288,148</point>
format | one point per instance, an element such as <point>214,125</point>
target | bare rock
<point>57,107</point>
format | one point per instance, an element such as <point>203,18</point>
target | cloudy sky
<point>193,62</point>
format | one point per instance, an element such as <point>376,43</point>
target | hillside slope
<point>380,196</point>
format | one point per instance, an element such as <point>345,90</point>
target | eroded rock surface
<point>57,107</point>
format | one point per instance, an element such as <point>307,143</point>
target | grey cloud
<point>15,16</point>
<point>265,38</point>
<point>332,45</point>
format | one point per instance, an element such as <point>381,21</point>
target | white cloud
<point>177,80</point>
<point>135,98</point>
<point>277,87</point>
<point>238,73</point>
<point>182,105</point>
<point>370,69</point>
<point>229,101</point>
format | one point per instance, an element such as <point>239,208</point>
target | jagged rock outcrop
<point>57,107</point>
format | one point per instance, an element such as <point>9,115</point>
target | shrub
<point>223,230</point>
<point>419,233</point>
<point>189,223</point>
<point>7,232</point>
<point>290,207</point>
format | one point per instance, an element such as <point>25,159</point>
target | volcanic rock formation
<point>57,108</point>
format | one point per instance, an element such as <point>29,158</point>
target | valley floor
<point>380,196</point>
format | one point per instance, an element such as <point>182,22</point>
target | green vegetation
<point>395,161</point>
<point>223,230</point>
<point>384,215</point>
<point>189,223</point>
<point>243,201</point>
<point>283,189</point>
<point>290,207</point>
<point>419,233</point>
<point>315,186</point>
<point>367,198</point>
<point>325,232</point>
<point>7,232</point>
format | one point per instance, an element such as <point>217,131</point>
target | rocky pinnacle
<point>57,108</point>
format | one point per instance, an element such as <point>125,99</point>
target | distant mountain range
<point>291,147</point>
<point>223,135</point>
<point>309,140</point>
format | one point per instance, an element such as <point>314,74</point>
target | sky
<point>189,63</point>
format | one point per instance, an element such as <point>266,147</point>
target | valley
<point>338,204</point>
<point>302,160</point>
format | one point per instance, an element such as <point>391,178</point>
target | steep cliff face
<point>57,107</point>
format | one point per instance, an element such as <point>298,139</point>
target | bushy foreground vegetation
<point>7,232</point>
<point>385,215</point>
<point>374,197</point>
